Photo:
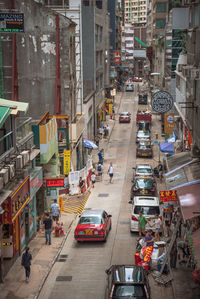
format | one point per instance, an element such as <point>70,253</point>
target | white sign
<point>162,101</point>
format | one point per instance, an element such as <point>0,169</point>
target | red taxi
<point>124,117</point>
<point>93,225</point>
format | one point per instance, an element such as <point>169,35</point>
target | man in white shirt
<point>110,172</point>
<point>55,210</point>
<point>158,225</point>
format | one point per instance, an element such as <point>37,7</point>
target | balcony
<point>76,129</point>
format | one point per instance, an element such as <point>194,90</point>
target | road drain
<point>103,194</point>
<point>64,256</point>
<point>64,278</point>
<point>61,260</point>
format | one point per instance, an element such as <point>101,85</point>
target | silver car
<point>144,149</point>
<point>129,87</point>
<point>143,136</point>
<point>144,171</point>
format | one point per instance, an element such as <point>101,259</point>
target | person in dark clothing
<point>26,263</point>
<point>48,226</point>
<point>160,171</point>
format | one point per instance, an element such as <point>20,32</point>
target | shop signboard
<point>15,203</point>
<point>48,140</point>
<point>169,123</point>
<point>161,101</point>
<point>36,181</point>
<point>167,196</point>
<point>11,22</point>
<point>54,182</point>
<point>66,161</point>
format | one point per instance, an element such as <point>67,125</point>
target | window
<point>160,23</point>
<point>161,7</point>
<point>99,4</point>
<point>86,2</point>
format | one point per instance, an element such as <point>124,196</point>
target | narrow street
<point>81,274</point>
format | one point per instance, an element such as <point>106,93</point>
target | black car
<point>127,281</point>
<point>143,186</point>
<point>142,99</point>
<point>144,125</point>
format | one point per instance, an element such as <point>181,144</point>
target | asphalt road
<point>82,273</point>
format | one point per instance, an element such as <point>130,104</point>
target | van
<point>149,205</point>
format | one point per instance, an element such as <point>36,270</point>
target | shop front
<point>14,220</point>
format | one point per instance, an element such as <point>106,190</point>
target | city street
<point>81,274</point>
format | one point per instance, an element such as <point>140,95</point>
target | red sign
<point>55,182</point>
<point>16,202</point>
<point>166,196</point>
<point>117,57</point>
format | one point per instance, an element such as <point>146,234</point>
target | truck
<point>143,115</point>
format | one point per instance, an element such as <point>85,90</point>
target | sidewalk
<point>43,258</point>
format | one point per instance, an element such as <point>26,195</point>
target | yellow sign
<point>108,101</point>
<point>110,108</point>
<point>61,203</point>
<point>169,123</point>
<point>66,162</point>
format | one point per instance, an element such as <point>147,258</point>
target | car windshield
<point>143,133</point>
<point>147,210</point>
<point>124,113</point>
<point>90,220</point>
<point>144,184</point>
<point>128,290</point>
<point>144,170</point>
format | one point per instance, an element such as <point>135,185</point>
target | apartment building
<point>135,11</point>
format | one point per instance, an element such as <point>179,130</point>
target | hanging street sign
<point>162,101</point>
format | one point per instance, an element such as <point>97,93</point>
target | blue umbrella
<point>89,144</point>
<point>167,147</point>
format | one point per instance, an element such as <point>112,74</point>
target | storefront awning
<point>4,113</point>
<point>189,200</point>
<point>21,106</point>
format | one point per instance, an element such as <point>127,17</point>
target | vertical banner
<point>66,162</point>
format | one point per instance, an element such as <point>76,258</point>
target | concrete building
<point>135,11</point>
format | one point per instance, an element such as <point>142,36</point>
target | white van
<point>149,205</point>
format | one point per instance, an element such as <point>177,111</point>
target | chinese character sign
<point>66,162</point>
<point>166,196</point>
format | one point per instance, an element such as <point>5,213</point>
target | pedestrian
<point>55,210</point>
<point>100,170</point>
<point>167,215</point>
<point>110,172</point>
<point>149,238</point>
<point>81,185</point>
<point>101,132</point>
<point>93,179</point>
<point>101,124</point>
<point>107,130</point>
<point>142,221</point>
<point>26,263</point>
<point>173,256</point>
<point>100,154</point>
<point>160,171</point>
<point>158,226</point>
<point>48,227</point>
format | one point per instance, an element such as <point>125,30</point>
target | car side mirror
<point>109,215</point>
<point>130,202</point>
<point>133,168</point>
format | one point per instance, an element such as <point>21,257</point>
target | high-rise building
<point>135,11</point>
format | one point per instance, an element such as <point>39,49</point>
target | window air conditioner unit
<point>19,162</point>
<point>1,184</point>
<point>4,173</point>
<point>11,170</point>
<point>25,155</point>
<point>186,71</point>
<point>195,74</point>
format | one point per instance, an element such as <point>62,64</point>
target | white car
<point>144,171</point>
<point>129,87</point>
<point>149,205</point>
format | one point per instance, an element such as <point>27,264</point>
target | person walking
<point>93,179</point>
<point>142,221</point>
<point>48,227</point>
<point>26,263</point>
<point>100,154</point>
<point>100,132</point>
<point>149,238</point>
<point>160,171</point>
<point>100,170</point>
<point>110,172</point>
<point>55,210</point>
<point>81,185</point>
<point>158,225</point>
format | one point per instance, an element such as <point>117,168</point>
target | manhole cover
<point>103,195</point>
<point>64,256</point>
<point>124,222</point>
<point>64,278</point>
<point>61,260</point>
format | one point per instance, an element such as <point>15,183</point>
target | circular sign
<point>170,119</point>
<point>161,101</point>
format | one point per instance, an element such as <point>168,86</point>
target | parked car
<point>127,281</point>
<point>143,136</point>
<point>149,206</point>
<point>144,149</point>
<point>144,171</point>
<point>144,125</point>
<point>124,117</point>
<point>129,87</point>
<point>93,225</point>
<point>142,99</point>
<point>143,186</point>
